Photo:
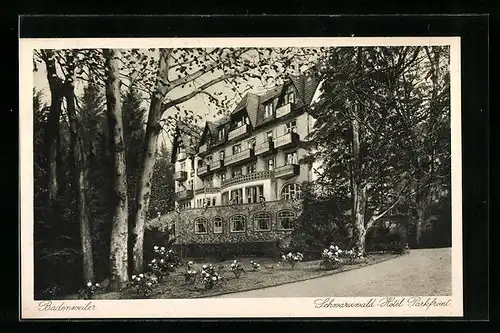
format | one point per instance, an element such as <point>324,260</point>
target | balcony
<point>240,157</point>
<point>208,190</point>
<point>264,148</point>
<point>184,195</point>
<point>287,140</point>
<point>284,110</point>
<point>181,156</point>
<point>238,132</point>
<point>247,178</point>
<point>287,171</point>
<point>216,165</point>
<point>204,150</point>
<point>203,170</point>
<point>180,176</point>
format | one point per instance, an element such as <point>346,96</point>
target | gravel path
<point>425,272</point>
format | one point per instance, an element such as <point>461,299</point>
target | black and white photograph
<point>240,177</point>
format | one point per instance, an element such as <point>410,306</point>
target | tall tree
<point>182,74</point>
<point>80,165</point>
<point>360,132</point>
<point>118,260</point>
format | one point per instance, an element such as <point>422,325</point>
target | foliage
<point>292,258</point>
<point>334,257</point>
<point>209,277</point>
<point>255,265</point>
<point>237,269</point>
<point>89,290</point>
<point>164,263</point>
<point>144,284</point>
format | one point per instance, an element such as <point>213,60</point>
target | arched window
<point>217,221</point>
<point>285,220</point>
<point>237,223</point>
<point>291,191</point>
<point>262,221</point>
<point>200,225</point>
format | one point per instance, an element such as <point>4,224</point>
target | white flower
<point>149,284</point>
<point>204,266</point>
<point>89,284</point>
<point>190,263</point>
<point>141,275</point>
<point>214,278</point>
<point>161,260</point>
<point>133,277</point>
<point>97,284</point>
<point>232,265</point>
<point>138,279</point>
<point>162,248</point>
<point>154,260</point>
<point>155,247</point>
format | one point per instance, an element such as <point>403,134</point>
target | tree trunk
<point>420,209</point>
<point>143,185</point>
<point>52,129</point>
<point>359,217</point>
<point>80,172</point>
<point>118,261</point>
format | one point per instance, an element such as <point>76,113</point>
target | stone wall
<point>185,224</point>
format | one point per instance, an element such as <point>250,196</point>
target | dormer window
<point>222,133</point>
<point>268,109</point>
<point>290,97</point>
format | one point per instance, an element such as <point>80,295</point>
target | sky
<point>199,104</point>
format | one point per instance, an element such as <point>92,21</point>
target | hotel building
<point>238,180</point>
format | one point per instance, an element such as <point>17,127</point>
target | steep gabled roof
<point>250,103</point>
<point>189,135</point>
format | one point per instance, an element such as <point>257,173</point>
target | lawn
<point>270,273</point>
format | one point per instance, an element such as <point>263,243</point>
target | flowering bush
<point>255,266</point>
<point>351,255</point>
<point>190,274</point>
<point>144,284</point>
<point>292,258</point>
<point>331,257</point>
<point>237,269</point>
<point>209,276</point>
<point>89,290</point>
<point>164,263</point>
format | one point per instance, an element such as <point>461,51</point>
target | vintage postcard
<point>240,177</point>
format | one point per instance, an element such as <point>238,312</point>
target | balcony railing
<point>264,148</point>
<point>207,189</point>
<point>184,195</point>
<point>216,165</point>
<point>247,178</point>
<point>204,149</point>
<point>180,175</point>
<point>287,171</point>
<point>203,170</point>
<point>238,132</point>
<point>242,156</point>
<point>181,156</point>
<point>284,110</point>
<point>287,140</point>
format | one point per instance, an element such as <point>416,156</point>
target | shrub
<point>292,258</point>
<point>331,257</point>
<point>190,274</point>
<point>143,283</point>
<point>164,263</point>
<point>209,276</point>
<point>255,266</point>
<point>237,269</point>
<point>89,290</point>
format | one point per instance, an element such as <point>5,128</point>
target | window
<point>290,97</point>
<point>208,181</point>
<point>225,198</point>
<point>217,225</point>
<point>213,201</point>
<point>291,127</point>
<point>269,135</point>
<point>236,172</point>
<point>236,149</point>
<point>262,221</point>
<point>190,184</point>
<point>200,225</point>
<point>251,143</point>
<point>291,191</point>
<point>222,176</point>
<point>291,158</point>
<point>208,160</point>
<point>271,164</point>
<point>285,220</point>
<point>253,193</point>
<point>237,223</point>
<point>252,168</point>
<point>268,109</point>
<point>237,196</point>
<point>183,166</point>
<point>221,155</point>
<point>222,133</point>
